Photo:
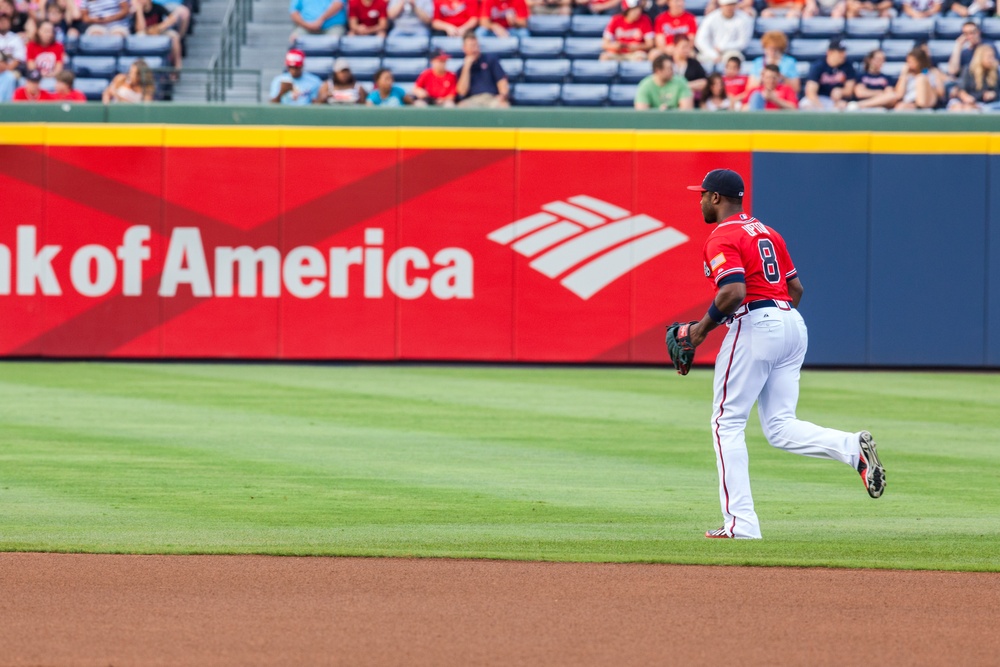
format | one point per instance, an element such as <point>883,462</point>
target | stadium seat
<point>72,44</point>
<point>893,69</point>
<point>696,7</point>
<point>788,26</point>
<point>95,66</point>
<point>318,45</point>
<point>407,86</point>
<point>584,94</point>
<point>450,45</point>
<point>405,69</point>
<point>543,70</point>
<point>406,46</point>
<point>940,49</point>
<point>634,72</point>
<point>821,27</point>
<point>622,94</point>
<point>991,28</point>
<point>857,49</point>
<point>754,50</point>
<point>801,67</point>
<point>92,88</point>
<point>154,62</point>
<point>513,68</point>
<point>948,27</point>
<point>896,49</point>
<point>808,49</point>
<point>148,45</point>
<point>101,45</point>
<point>361,45</point>
<point>362,68</point>
<point>536,94</point>
<point>867,27</point>
<point>541,25</point>
<point>907,28</point>
<point>542,47</point>
<point>594,71</point>
<point>588,25</point>
<point>321,66</point>
<point>501,47</point>
<point>583,47</point>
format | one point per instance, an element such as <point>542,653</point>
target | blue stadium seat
<point>154,62</point>
<point>543,70</point>
<point>906,28</point>
<point>857,49</point>
<point>501,47</point>
<point>407,87</point>
<point>754,50</point>
<point>948,27</point>
<point>940,49</point>
<point>450,45</point>
<point>361,45</point>
<point>541,25</point>
<point>318,45</point>
<point>802,68</point>
<point>588,25</point>
<point>584,94</point>
<point>896,49</point>
<point>786,25</point>
<point>148,45</point>
<point>455,65</point>
<point>821,27</point>
<point>594,71</point>
<point>991,28</point>
<point>633,72</point>
<point>92,88</point>
<point>513,68</point>
<point>363,68</point>
<point>542,47</point>
<point>583,47</point>
<point>95,66</point>
<point>100,45</point>
<point>322,66</point>
<point>405,69</point>
<point>622,94</point>
<point>696,7</point>
<point>808,49</point>
<point>72,44</point>
<point>893,69</point>
<point>867,27</point>
<point>536,94</point>
<point>406,46</point>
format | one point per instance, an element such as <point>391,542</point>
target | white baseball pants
<point>760,360</point>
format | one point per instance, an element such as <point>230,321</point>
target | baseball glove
<point>679,346</point>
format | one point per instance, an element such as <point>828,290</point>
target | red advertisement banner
<point>351,253</point>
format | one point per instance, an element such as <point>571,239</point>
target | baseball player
<point>757,292</point>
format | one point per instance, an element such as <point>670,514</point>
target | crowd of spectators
<point>34,35</point>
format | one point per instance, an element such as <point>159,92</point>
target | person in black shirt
<point>874,89</point>
<point>154,19</point>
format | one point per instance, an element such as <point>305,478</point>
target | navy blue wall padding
<point>824,221</point>
<point>928,262</point>
<point>992,301</point>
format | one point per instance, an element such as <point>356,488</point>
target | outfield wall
<point>396,242</point>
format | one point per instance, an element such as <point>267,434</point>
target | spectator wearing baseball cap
<point>629,34</point>
<point>31,91</point>
<point>436,85</point>
<point>318,17</point>
<point>295,86</point>
<point>830,82</point>
<point>726,29</point>
<point>341,87</point>
<point>368,17</point>
<point>64,88</point>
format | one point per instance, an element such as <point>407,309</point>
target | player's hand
<point>696,334</point>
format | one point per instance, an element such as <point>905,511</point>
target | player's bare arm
<point>728,299</point>
<point>795,291</point>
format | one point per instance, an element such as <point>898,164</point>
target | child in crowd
<point>736,81</point>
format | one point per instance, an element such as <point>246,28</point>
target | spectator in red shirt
<point>368,17</point>
<point>31,91</point>
<point>503,18</point>
<point>436,85</point>
<point>675,21</point>
<point>629,35</point>
<point>596,6</point>
<point>551,7</point>
<point>44,53</point>
<point>64,88</point>
<point>454,18</point>
<point>771,94</point>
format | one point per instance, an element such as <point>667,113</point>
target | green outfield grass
<point>587,464</point>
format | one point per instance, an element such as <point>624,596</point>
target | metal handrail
<point>234,35</point>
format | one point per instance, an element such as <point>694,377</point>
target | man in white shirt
<point>725,29</point>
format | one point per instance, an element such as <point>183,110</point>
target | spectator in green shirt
<point>662,90</point>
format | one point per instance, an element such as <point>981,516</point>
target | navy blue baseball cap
<point>724,181</point>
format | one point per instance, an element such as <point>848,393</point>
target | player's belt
<point>761,303</point>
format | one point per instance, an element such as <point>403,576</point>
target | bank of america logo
<point>586,242</point>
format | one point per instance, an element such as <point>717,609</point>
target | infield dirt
<point>63,609</point>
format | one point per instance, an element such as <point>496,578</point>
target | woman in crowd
<point>715,97</point>
<point>136,86</point>
<point>979,85</point>
<point>916,87</point>
<point>386,93</point>
<point>775,44</point>
<point>44,53</point>
<point>874,89</point>
<point>341,87</point>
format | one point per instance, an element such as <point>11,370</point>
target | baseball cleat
<point>869,467</point>
<point>718,533</point>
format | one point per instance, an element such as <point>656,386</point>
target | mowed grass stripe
<point>499,462</point>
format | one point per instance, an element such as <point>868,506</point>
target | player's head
<point>721,194</point>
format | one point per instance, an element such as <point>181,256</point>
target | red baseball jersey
<point>497,10</point>
<point>456,12</point>
<point>669,25</point>
<point>368,15</point>
<point>744,249</point>
<point>437,87</point>
<point>623,32</point>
